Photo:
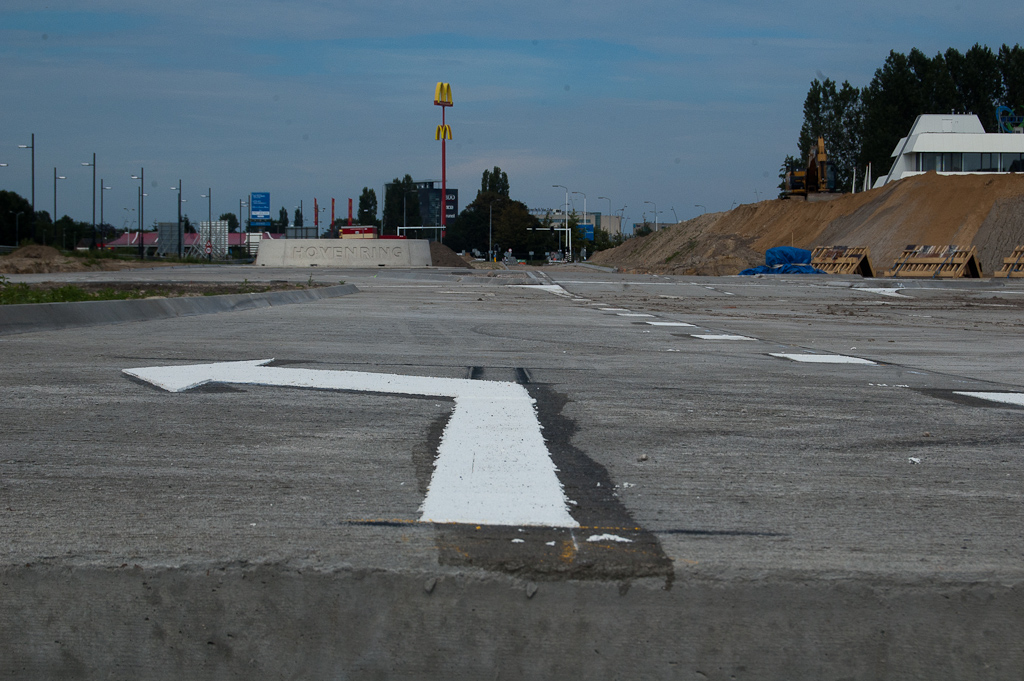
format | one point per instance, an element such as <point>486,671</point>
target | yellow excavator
<point>819,177</point>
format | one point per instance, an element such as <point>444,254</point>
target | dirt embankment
<point>38,259</point>
<point>442,256</point>
<point>986,211</point>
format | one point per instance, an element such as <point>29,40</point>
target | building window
<point>1013,163</point>
<point>927,161</point>
<point>952,163</point>
<point>990,163</point>
<point>972,163</point>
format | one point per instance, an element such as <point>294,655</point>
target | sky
<point>676,106</point>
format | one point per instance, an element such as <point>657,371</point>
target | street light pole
<point>181,232</point>
<point>16,217</point>
<point>93,164</point>
<point>141,177</point>
<point>32,146</point>
<point>697,205</point>
<point>209,218</point>
<point>490,231</point>
<point>566,212</point>
<point>655,214</point>
<point>103,188</point>
<point>584,211</point>
<point>55,178</point>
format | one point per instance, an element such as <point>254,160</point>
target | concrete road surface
<point>719,478</point>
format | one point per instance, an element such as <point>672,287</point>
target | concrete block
<point>344,253</point>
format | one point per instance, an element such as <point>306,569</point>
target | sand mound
<point>36,259</point>
<point>35,251</point>
<point>442,256</point>
<point>980,210</point>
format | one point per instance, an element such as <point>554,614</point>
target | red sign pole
<point>350,212</point>
<point>443,99</point>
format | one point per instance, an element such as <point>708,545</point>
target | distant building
<point>428,194</point>
<point>954,144</point>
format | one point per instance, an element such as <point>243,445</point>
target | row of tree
<point>493,218</point>
<point>863,125</point>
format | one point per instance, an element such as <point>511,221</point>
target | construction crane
<point>818,177</point>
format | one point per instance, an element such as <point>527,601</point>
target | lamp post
<point>490,231</point>
<point>93,164</point>
<point>405,213</point>
<point>584,211</point>
<point>241,203</point>
<point>103,189</point>
<point>655,214</point>
<point>697,205</point>
<point>209,218</point>
<point>141,177</point>
<point>55,178</point>
<point>566,212</point>
<point>181,232</point>
<point>16,217</point>
<point>32,146</point>
<point>609,211</point>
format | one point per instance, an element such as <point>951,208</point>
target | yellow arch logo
<point>443,132</point>
<point>443,94</point>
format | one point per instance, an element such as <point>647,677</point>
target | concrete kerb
<point>51,316</point>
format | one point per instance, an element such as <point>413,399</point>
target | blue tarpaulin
<point>785,260</point>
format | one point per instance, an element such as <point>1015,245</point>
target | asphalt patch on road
<point>608,545</point>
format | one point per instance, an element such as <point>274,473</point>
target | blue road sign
<point>259,212</point>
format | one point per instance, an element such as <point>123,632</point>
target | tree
<point>401,205</point>
<point>297,222</point>
<point>494,182</point>
<point>837,116</point>
<point>231,219</point>
<point>494,217</point>
<point>367,214</point>
<point>1011,70</point>
<point>14,228</point>
<point>282,219</point>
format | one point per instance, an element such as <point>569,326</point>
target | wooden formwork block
<point>843,260</point>
<point>1014,265</point>
<point>937,262</point>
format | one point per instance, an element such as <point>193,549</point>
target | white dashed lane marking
<point>669,324</point>
<point>721,337</point>
<point>1004,398</point>
<point>822,359</point>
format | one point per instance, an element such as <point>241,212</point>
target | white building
<point>954,144</point>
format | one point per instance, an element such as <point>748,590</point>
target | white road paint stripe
<point>1005,398</point>
<point>670,324</point>
<point>608,537</point>
<point>550,288</point>
<point>724,337</point>
<point>634,314</point>
<point>613,309</point>
<point>822,359</point>
<point>493,466</point>
<point>892,292</point>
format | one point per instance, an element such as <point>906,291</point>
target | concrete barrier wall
<point>50,316</point>
<point>344,253</point>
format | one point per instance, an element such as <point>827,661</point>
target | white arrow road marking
<point>493,466</point>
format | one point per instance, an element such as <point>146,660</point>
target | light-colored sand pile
<point>986,211</point>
